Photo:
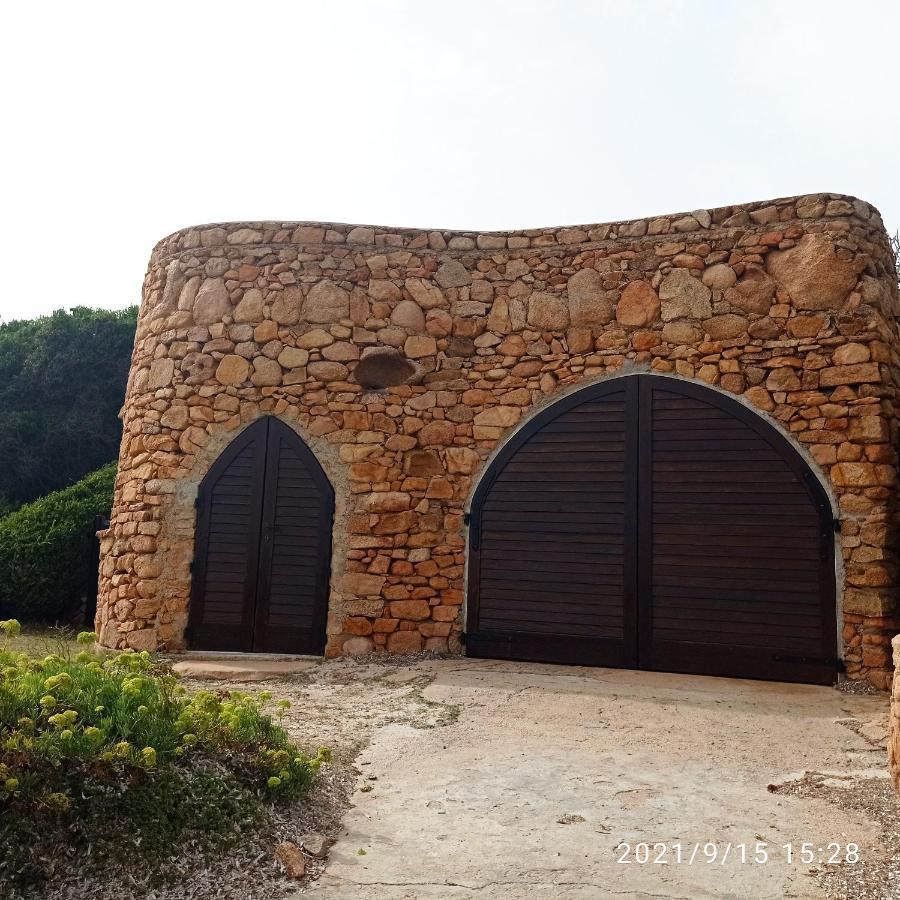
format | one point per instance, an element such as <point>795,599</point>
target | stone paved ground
<point>485,779</point>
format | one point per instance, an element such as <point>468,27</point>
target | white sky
<point>124,122</point>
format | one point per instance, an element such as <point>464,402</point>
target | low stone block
<point>814,274</point>
<point>386,501</point>
<point>860,373</point>
<point>405,642</point>
<point>638,306</point>
<point>326,302</point>
<point>548,312</point>
<point>362,584</point>
<point>894,727</point>
<point>232,369</point>
<point>453,274</point>
<point>416,610</point>
<point>854,474</point>
<point>684,296</point>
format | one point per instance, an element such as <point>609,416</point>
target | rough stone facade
<point>894,726</point>
<point>790,304</point>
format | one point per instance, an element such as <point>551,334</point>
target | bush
<point>111,760</point>
<point>45,563</point>
<point>62,380</point>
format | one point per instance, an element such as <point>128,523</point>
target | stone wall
<point>459,337</point>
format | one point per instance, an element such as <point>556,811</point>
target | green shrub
<point>112,758</point>
<point>62,380</point>
<point>44,564</point>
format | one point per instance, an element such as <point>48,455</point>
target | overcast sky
<point>124,122</point>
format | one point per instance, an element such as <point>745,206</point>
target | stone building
<point>665,443</point>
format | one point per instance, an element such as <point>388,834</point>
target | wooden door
<point>654,523</point>
<point>263,539</point>
<point>553,537</point>
<point>735,538</point>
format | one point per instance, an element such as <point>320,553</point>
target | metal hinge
<point>836,525</point>
<point>831,661</point>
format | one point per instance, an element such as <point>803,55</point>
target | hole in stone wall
<point>383,368</point>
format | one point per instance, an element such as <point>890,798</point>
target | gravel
<point>869,879</point>
<point>857,687</point>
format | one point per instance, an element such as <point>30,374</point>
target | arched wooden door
<point>263,546</point>
<point>653,523</point>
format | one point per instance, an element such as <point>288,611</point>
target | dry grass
<point>41,640</point>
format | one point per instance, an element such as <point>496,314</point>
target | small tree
<point>62,382</point>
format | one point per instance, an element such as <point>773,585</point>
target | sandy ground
<point>463,778</point>
<point>521,780</point>
<point>481,779</point>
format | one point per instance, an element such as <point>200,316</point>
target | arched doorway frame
<point>769,428</point>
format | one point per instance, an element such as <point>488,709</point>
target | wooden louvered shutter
<point>227,544</point>
<point>553,529</point>
<point>736,575</point>
<point>295,548</point>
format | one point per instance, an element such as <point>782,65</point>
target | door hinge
<point>467,517</point>
<point>836,525</point>
<point>831,661</point>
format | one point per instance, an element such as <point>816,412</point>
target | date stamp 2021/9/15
<point>667,853</point>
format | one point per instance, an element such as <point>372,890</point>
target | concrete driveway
<point>541,772</point>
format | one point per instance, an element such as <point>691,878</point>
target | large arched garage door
<point>263,546</point>
<point>650,522</point>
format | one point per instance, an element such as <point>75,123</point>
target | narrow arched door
<point>263,546</point>
<point>653,523</point>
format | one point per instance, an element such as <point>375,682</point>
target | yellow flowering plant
<point>85,733</point>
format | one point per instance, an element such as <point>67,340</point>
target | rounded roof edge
<point>267,232</point>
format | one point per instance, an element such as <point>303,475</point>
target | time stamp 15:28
<point>663,853</point>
